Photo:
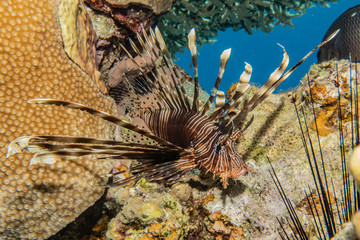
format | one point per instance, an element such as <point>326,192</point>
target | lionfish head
<point>225,161</point>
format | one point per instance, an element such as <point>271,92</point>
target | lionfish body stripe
<point>185,136</point>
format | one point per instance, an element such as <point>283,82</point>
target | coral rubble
<point>210,16</point>
<point>38,200</point>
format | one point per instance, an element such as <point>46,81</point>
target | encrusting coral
<point>207,17</point>
<point>324,78</point>
<point>38,200</point>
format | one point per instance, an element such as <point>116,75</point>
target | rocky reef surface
<point>199,208</point>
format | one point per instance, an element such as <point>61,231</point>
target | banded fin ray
<point>193,51</point>
<point>231,106</point>
<point>223,62</point>
<point>159,82</point>
<point>273,82</point>
<point>175,75</point>
<point>105,116</point>
<point>173,68</point>
<point>163,74</point>
<point>173,163</point>
<point>220,100</point>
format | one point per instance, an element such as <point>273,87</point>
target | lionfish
<point>182,133</point>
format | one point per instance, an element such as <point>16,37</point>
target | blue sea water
<point>261,49</point>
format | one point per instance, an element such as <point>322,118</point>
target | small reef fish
<point>180,133</point>
<point>346,44</point>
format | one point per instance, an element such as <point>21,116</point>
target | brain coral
<point>38,200</point>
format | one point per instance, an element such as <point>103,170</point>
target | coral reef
<point>153,211</point>
<point>247,209</point>
<point>38,200</point>
<point>130,14</point>
<point>114,22</point>
<point>324,79</point>
<point>207,17</point>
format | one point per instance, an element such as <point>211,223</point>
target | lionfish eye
<point>218,147</point>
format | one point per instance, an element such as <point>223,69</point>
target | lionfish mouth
<point>180,132</point>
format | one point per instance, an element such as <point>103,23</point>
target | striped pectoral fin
<point>49,149</point>
<point>154,162</point>
<point>169,168</point>
<point>105,116</point>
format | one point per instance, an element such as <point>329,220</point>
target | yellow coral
<point>38,200</point>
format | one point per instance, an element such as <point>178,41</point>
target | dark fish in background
<point>347,41</point>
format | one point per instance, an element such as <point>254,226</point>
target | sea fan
<point>180,133</point>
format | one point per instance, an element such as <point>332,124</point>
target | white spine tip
<point>248,67</point>
<point>18,145</point>
<point>192,41</point>
<point>39,158</point>
<point>246,75</point>
<point>225,54</point>
<point>281,46</point>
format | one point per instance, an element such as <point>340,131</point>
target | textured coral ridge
<point>210,16</point>
<point>38,200</point>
